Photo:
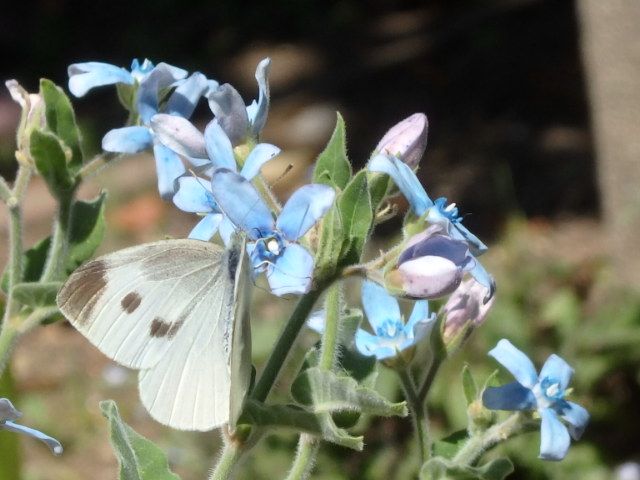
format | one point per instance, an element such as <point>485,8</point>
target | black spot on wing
<point>161,328</point>
<point>82,291</point>
<point>131,302</point>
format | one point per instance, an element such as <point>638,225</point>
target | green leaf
<point>86,230</point>
<point>33,262</point>
<point>330,244</point>
<point>61,120</point>
<point>139,458</point>
<point>34,294</point>
<point>324,391</point>
<point>126,95</point>
<point>332,166</point>
<point>449,446</point>
<point>379,187</point>
<point>51,162</point>
<point>469,385</point>
<point>292,417</point>
<point>357,216</point>
<point>439,468</point>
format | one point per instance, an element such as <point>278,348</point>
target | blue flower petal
<point>291,272</point>
<point>260,155</point>
<point>168,167</point>
<point>85,76</point>
<point>456,230</point>
<point>240,201</point>
<point>316,321</point>
<point>226,230</point>
<point>206,228</point>
<point>219,147</point>
<point>516,362</point>
<point>405,179</point>
<point>557,369</point>
<point>127,140</point>
<point>180,135</point>
<point>511,396</point>
<point>162,76</point>
<point>420,322</point>
<point>577,417</point>
<point>303,209</point>
<point>554,437</point>
<point>257,112</point>
<point>228,107</point>
<point>481,276</point>
<point>185,98</point>
<point>379,306</point>
<point>194,195</point>
<point>370,345</point>
<point>52,443</point>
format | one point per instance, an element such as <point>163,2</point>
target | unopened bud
<point>33,115</point>
<point>406,140</point>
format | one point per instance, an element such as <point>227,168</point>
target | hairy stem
<point>418,414</point>
<point>5,191</point>
<point>226,462</point>
<point>304,461</point>
<point>96,164</point>
<point>59,242</point>
<point>329,350</point>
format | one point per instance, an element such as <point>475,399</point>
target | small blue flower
<point>194,194</point>
<point>545,393</point>
<point>237,120</point>
<point>434,212</point>
<point>390,334</point>
<point>152,81</point>
<point>8,415</point>
<point>273,246</point>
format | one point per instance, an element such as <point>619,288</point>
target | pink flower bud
<point>406,140</point>
<point>465,310</point>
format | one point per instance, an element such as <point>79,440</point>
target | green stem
<point>283,345</point>
<point>478,444</point>
<point>423,391</point>
<point>329,349</point>
<point>96,164</point>
<point>418,414</point>
<point>305,458</point>
<point>59,241</point>
<point>5,191</point>
<point>228,459</point>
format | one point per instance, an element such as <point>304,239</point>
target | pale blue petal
<point>194,195</point>
<point>179,134</point>
<point>219,147</point>
<point>228,107</point>
<point>483,277</point>
<point>420,322</point>
<point>379,306</point>
<point>316,321</point>
<point>168,168</point>
<point>185,98</point>
<point>52,443</point>
<point>227,229</point>
<point>240,201</point>
<point>554,437</point>
<point>206,228</point>
<point>260,155</point>
<point>85,76</point>
<point>460,232</point>
<point>162,76</point>
<point>405,179</point>
<point>369,345</point>
<point>304,208</point>
<point>577,417</point>
<point>557,369</point>
<point>511,396</point>
<point>516,362</point>
<point>127,140</point>
<point>291,272</point>
<point>257,112</point>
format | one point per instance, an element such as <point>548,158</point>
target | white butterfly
<point>177,310</point>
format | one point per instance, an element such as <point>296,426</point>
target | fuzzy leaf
<point>34,294</point>
<point>332,166</point>
<point>299,420</point>
<point>51,162</point>
<point>469,385</point>
<point>440,468</point>
<point>449,446</point>
<point>357,216</point>
<point>86,231</point>
<point>330,244</point>
<point>324,391</point>
<point>33,262</point>
<point>61,120</point>
<point>139,458</point>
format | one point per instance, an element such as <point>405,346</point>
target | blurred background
<point>534,132</point>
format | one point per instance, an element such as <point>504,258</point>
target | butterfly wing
<point>163,308</point>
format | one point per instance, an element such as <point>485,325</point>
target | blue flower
<point>434,212</point>
<point>390,334</point>
<point>8,415</point>
<point>194,194</point>
<point>545,393</point>
<point>237,120</point>
<point>88,75</point>
<point>273,246</point>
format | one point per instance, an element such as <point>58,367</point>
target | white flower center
<point>273,247</point>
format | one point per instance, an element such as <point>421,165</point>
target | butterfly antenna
<point>287,169</point>
<point>198,179</point>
